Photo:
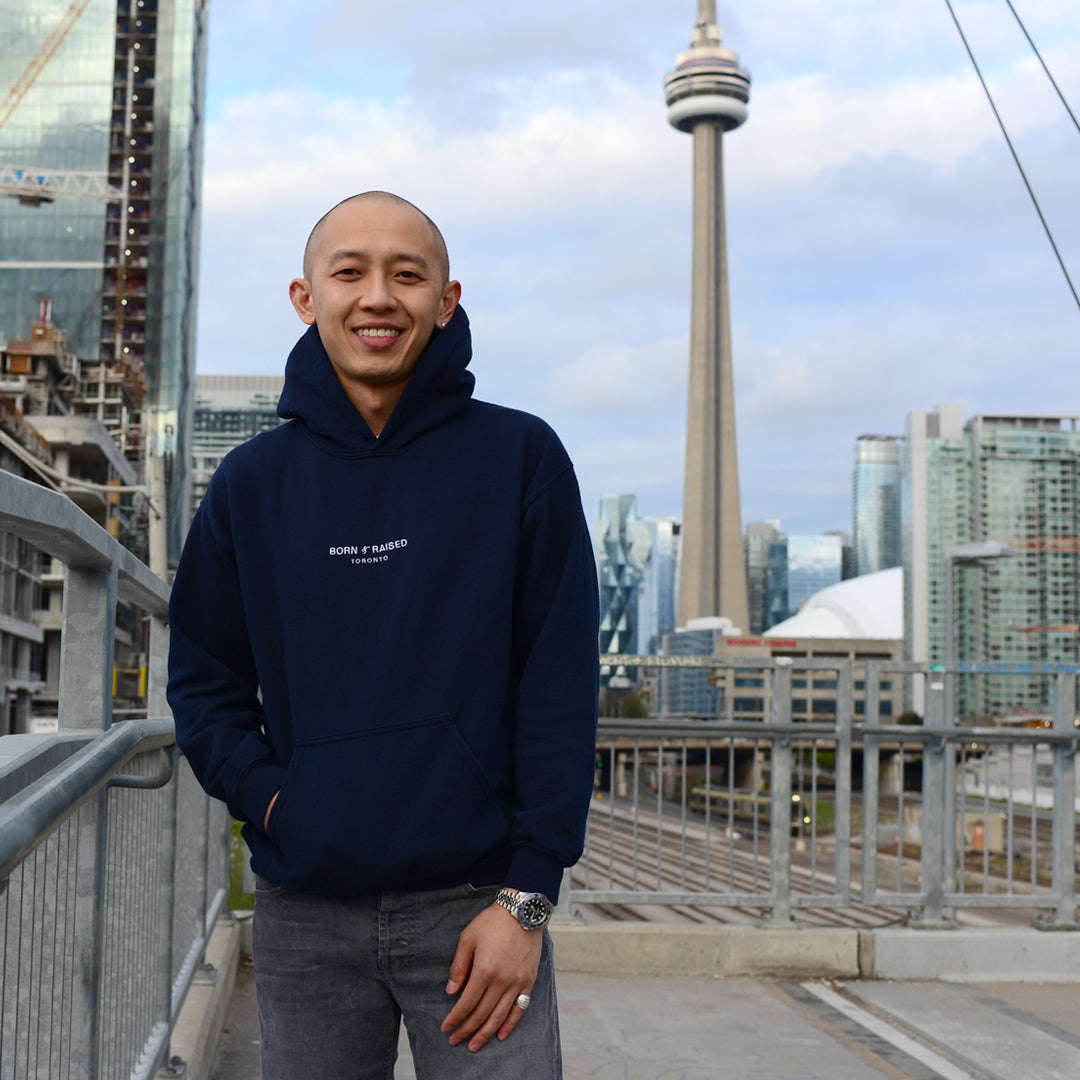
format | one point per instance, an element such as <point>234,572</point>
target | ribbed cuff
<point>533,871</point>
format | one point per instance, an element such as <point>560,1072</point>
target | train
<point>743,806</point>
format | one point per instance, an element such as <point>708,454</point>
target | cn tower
<point>707,94</point>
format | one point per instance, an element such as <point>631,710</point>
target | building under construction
<point>72,426</point>
<point>100,161</point>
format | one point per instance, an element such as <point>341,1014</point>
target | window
<point>748,705</point>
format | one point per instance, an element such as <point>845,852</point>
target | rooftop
<point>870,606</point>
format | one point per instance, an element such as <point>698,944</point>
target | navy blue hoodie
<point>399,633</point>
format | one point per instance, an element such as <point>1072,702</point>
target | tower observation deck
<point>707,95</point>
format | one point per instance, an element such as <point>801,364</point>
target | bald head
<point>314,240</point>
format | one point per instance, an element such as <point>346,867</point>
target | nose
<point>377,296</point>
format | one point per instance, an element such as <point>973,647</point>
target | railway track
<point>625,850</point>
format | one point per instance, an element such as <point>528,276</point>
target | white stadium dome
<point>870,606</point>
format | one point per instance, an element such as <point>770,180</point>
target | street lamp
<point>982,554</point>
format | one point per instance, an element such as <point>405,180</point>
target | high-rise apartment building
<point>1010,478</point>
<point>100,145</point>
<point>229,410</point>
<point>876,503</point>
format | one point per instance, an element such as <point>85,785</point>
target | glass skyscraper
<point>798,567</point>
<point>876,503</point>
<point>759,538</point>
<point>1010,478</point>
<point>813,563</point>
<point>624,542</point>
<point>116,111</point>
<point>658,589</point>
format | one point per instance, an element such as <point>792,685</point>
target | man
<point>384,632</point>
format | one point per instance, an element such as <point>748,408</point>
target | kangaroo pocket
<point>384,808</point>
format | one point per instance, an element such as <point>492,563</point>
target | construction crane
<point>32,187</point>
<point>40,59</point>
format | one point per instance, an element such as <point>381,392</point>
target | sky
<point>884,255</point>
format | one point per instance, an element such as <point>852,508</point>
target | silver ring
<point>523,1001</point>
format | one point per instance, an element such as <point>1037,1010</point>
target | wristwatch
<point>532,910</point>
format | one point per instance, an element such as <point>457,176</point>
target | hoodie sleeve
<point>556,647</point>
<point>213,685</point>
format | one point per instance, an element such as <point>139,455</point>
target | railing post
<point>85,704</point>
<point>935,841</point>
<point>844,709</point>
<point>88,934</point>
<point>564,912</point>
<point>949,870</point>
<point>86,649</point>
<point>871,742</point>
<point>780,792</point>
<point>157,677</point>
<point>1064,829</point>
<point>157,670</point>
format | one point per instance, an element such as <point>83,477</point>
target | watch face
<point>535,910</point>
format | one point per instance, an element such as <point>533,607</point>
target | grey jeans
<point>335,977</point>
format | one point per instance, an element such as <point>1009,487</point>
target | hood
<point>440,387</point>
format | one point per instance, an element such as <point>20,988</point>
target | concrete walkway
<point>698,1028</point>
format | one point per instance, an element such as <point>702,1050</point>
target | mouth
<point>377,332</point>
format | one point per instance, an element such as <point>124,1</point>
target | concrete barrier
<point>819,953</point>
<point>198,1028</point>
<point>723,951</point>
<point>976,955</point>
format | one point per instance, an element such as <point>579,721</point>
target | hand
<point>500,961</point>
<point>266,816</point>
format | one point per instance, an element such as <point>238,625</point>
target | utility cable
<point>1012,150</point>
<point>1072,117</point>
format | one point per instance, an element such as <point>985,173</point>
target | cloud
<point>883,254</point>
<point>621,378</point>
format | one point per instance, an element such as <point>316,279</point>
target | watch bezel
<point>529,918</point>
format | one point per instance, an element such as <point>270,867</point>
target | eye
<point>347,271</point>
<point>409,275</point>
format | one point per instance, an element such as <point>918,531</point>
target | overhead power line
<point>1012,150</point>
<point>1072,117</point>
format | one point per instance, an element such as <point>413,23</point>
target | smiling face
<point>375,286</point>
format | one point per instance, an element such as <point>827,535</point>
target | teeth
<point>378,333</point>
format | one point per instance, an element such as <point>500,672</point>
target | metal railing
<point>761,815</point>
<point>973,848</point>
<point>113,863</point>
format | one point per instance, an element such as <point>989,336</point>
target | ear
<point>300,295</point>
<point>450,299</point>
